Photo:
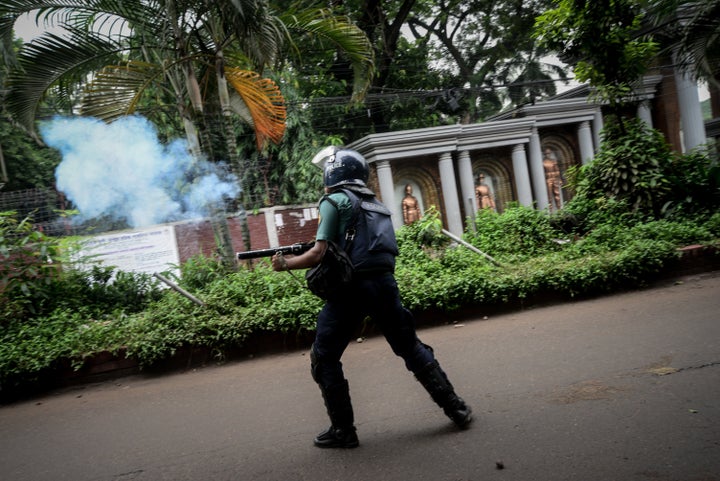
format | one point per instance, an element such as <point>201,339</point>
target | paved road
<point>614,389</point>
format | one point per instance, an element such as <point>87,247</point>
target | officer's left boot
<point>435,381</point>
<point>341,433</point>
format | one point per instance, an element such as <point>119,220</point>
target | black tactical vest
<point>370,236</point>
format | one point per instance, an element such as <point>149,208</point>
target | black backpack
<point>370,235</point>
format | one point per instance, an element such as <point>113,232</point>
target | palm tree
<point>690,30</point>
<point>207,56</point>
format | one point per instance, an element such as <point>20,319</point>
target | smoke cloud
<point>123,171</point>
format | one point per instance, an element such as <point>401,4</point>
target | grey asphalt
<point>624,387</point>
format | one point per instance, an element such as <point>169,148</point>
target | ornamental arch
<point>496,167</point>
<point>423,182</point>
<point>558,149</point>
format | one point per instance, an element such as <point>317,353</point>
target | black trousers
<point>376,296</point>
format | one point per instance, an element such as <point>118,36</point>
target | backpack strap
<point>351,228</point>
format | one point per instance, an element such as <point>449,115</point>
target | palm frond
<point>256,30</point>
<point>116,89</point>
<point>340,32</point>
<point>259,102</point>
<point>48,61</point>
<point>81,14</point>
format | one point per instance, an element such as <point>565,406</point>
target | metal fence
<point>45,208</point>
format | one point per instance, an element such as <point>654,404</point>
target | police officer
<point>373,292</point>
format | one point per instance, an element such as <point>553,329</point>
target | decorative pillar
<point>387,191</point>
<point>271,227</point>
<point>449,190</point>
<point>586,142</point>
<point>597,128</point>
<point>537,171</point>
<point>644,113</point>
<point>467,183</point>
<point>522,176</point>
<point>691,118</point>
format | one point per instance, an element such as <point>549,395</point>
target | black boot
<point>341,434</point>
<point>435,381</point>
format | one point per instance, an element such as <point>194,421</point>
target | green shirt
<point>332,222</point>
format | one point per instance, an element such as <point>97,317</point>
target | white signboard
<point>148,250</point>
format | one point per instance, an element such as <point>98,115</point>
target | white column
<point>586,142</point>
<point>597,128</point>
<point>271,227</point>
<point>522,176</point>
<point>467,183</point>
<point>449,190</point>
<point>387,191</point>
<point>537,171</point>
<point>691,119</point>
<point>644,113</point>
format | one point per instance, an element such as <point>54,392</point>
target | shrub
<point>200,271</point>
<point>29,265</point>
<point>695,184</point>
<point>631,165</point>
<point>518,232</point>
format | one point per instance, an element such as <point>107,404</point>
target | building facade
<point>521,156</point>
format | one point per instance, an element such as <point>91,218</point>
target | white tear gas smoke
<point>121,170</point>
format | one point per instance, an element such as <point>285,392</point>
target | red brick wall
<point>194,238</point>
<point>298,224</point>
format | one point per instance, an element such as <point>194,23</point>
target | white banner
<point>148,250</point>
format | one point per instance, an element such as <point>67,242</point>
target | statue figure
<point>553,178</point>
<point>410,206</point>
<point>483,195</point>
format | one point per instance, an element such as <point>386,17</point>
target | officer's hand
<point>279,262</point>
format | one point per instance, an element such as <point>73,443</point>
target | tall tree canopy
<point>603,40</point>
<point>444,61</point>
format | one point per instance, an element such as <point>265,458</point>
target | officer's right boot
<point>341,433</point>
<point>435,381</point>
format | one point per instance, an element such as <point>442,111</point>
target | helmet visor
<point>322,157</point>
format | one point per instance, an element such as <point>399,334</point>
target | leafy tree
<point>429,74</point>
<point>27,165</point>
<point>204,56</point>
<point>602,39</point>
<point>611,45</point>
<point>483,46</point>
<point>22,164</point>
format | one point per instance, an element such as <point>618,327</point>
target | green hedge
<point>86,314</point>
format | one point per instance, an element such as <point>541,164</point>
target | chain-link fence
<point>52,214</point>
<point>48,210</point>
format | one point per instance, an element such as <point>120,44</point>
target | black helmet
<point>342,167</point>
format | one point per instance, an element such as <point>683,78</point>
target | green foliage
<point>631,166</point>
<point>91,314</point>
<point>29,165</point>
<point>426,232</point>
<point>602,40</point>
<point>237,305</point>
<point>99,290</point>
<point>520,232</point>
<point>28,268</point>
<point>695,184</point>
<point>199,271</point>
